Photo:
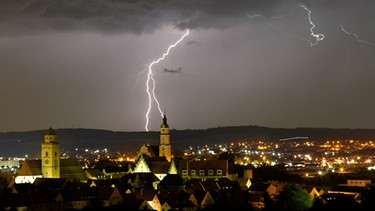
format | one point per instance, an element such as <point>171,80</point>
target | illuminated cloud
<point>20,17</point>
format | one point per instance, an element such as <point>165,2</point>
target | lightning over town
<point>246,105</point>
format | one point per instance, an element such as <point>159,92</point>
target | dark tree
<point>293,198</point>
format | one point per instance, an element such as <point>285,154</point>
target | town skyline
<point>319,170</point>
<point>20,144</point>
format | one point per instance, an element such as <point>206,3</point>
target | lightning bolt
<point>150,89</point>
<point>318,37</point>
<point>356,36</point>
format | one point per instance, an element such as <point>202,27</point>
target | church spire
<point>50,155</point>
<point>165,124</point>
<point>165,144</point>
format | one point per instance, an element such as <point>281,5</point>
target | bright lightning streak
<point>150,78</point>
<point>356,36</point>
<point>318,37</point>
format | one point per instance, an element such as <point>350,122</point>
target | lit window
<point>210,172</point>
<point>193,172</point>
<point>184,172</point>
<point>219,172</point>
<point>201,172</point>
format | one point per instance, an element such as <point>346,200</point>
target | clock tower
<point>165,149</point>
<point>50,155</point>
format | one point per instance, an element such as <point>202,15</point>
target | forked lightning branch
<point>151,83</point>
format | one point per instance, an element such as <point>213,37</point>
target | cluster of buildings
<point>155,180</point>
<point>150,182</point>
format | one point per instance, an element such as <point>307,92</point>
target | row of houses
<point>137,191</point>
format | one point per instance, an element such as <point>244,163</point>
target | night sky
<point>84,64</point>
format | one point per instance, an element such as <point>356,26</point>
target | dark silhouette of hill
<point>22,143</point>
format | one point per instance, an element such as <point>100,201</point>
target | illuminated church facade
<point>157,159</point>
<point>50,155</point>
<point>50,164</point>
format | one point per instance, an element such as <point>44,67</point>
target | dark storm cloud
<point>28,17</point>
<point>85,64</point>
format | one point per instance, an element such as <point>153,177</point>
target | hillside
<point>22,143</point>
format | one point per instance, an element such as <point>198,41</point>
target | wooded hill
<point>19,144</point>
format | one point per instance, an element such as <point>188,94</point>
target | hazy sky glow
<point>82,64</point>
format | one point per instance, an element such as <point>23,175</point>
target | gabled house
<point>176,205</point>
<point>137,204</point>
<point>109,196</point>
<point>263,188</point>
<point>110,169</point>
<point>314,192</point>
<point>141,180</point>
<point>201,199</point>
<point>150,196</point>
<point>171,182</point>
<point>176,200</point>
<point>258,192</point>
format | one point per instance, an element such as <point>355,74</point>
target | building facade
<point>165,149</point>
<point>50,155</point>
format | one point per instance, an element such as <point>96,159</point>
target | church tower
<point>50,155</point>
<point>165,149</point>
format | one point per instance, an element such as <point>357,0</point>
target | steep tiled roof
<point>159,167</point>
<point>172,180</point>
<point>30,167</point>
<point>50,183</point>
<point>145,194</point>
<point>93,173</point>
<point>199,195</point>
<point>69,168</point>
<point>259,187</point>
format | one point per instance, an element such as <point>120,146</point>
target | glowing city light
<point>150,89</point>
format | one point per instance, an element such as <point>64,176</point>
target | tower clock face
<point>46,161</point>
